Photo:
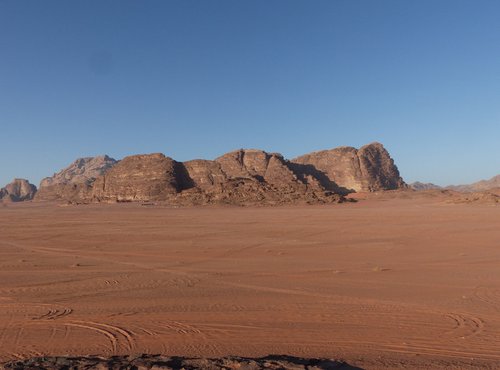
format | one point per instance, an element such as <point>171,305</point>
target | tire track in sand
<point>465,325</point>
<point>490,296</point>
<point>54,313</point>
<point>180,328</point>
<point>118,337</point>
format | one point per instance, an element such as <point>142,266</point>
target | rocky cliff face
<point>204,175</point>
<point>138,178</point>
<point>69,192</point>
<point>258,165</point>
<point>80,171</point>
<point>18,190</point>
<point>75,181</point>
<point>369,168</point>
<point>240,177</point>
<point>255,176</point>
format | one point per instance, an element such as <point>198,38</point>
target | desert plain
<point>382,283</point>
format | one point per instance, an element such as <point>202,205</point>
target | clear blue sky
<point>195,79</point>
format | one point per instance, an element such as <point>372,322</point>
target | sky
<point>196,79</point>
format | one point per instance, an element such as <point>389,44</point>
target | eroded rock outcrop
<point>269,178</point>
<point>369,168</point>
<point>242,177</point>
<point>82,170</point>
<point>260,166</point>
<point>75,181</point>
<point>17,191</point>
<point>248,177</point>
<point>138,178</point>
<point>204,175</point>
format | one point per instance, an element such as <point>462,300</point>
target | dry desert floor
<point>380,283</point>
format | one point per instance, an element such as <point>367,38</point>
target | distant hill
<point>17,191</point>
<point>482,185</point>
<point>417,185</point>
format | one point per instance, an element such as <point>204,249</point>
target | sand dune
<point>378,283</point>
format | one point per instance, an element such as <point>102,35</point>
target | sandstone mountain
<point>75,181</point>
<point>479,186</point>
<point>244,176</point>
<point>239,177</point>
<point>18,190</point>
<point>270,168</point>
<point>348,169</point>
<point>204,175</point>
<point>138,178</point>
<point>419,186</point>
<point>82,170</point>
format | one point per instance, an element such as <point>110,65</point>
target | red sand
<point>402,282</point>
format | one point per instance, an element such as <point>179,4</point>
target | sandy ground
<point>380,283</point>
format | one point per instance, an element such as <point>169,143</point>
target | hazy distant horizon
<point>199,79</point>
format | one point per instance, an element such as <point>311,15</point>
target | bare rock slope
<point>82,170</point>
<point>138,178</point>
<point>18,190</point>
<point>75,181</point>
<point>369,168</point>
<point>242,177</point>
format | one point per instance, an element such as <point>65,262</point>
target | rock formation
<point>204,175</point>
<point>243,177</point>
<point>17,191</point>
<point>138,178</point>
<point>257,165</point>
<point>369,168</point>
<point>82,170</point>
<point>75,181</point>
<point>240,177</point>
<point>249,176</point>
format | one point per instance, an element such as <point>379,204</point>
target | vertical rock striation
<point>369,168</point>
<point>244,176</point>
<point>17,191</point>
